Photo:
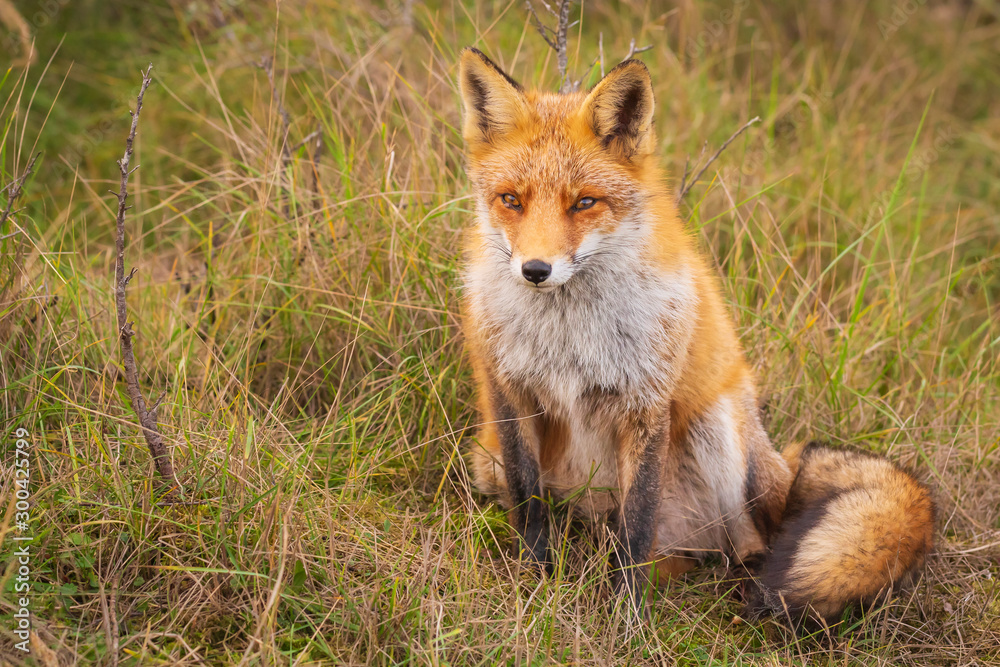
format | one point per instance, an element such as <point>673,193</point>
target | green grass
<point>300,313</point>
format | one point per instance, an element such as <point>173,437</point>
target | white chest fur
<point>617,327</point>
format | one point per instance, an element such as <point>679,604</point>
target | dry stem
<point>686,186</point>
<point>147,417</point>
<point>556,38</point>
<point>635,50</point>
<point>14,189</point>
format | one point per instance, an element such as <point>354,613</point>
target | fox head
<point>558,178</point>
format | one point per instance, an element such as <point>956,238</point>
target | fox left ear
<point>620,110</point>
<point>494,102</point>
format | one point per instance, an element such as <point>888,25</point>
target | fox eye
<point>584,204</point>
<point>510,201</point>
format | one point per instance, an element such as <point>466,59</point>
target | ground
<point>297,256</point>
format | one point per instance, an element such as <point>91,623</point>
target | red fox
<point>607,367</point>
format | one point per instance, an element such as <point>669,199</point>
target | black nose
<point>536,270</point>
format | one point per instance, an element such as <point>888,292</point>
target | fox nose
<point>536,270</point>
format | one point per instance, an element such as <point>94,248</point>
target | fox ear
<point>494,102</point>
<point>620,110</point>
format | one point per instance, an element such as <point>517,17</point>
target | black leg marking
<point>635,521</point>
<point>529,512</point>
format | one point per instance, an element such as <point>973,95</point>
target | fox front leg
<point>639,470</point>
<point>529,512</point>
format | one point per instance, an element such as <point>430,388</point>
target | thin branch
<point>542,29</point>
<point>579,82</point>
<point>633,50</point>
<point>549,8</point>
<point>687,161</point>
<point>684,176</point>
<point>687,188</point>
<point>309,137</point>
<point>557,40</point>
<point>147,418</point>
<point>561,33</point>
<point>158,401</point>
<point>14,189</point>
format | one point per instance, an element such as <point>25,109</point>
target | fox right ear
<point>494,102</point>
<point>620,110</point>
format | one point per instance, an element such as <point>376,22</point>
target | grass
<point>299,310</point>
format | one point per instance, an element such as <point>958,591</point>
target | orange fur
<point>617,377</point>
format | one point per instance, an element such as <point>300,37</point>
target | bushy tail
<point>855,527</point>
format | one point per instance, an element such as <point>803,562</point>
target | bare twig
<point>542,29</point>
<point>561,33</point>
<point>634,50</point>
<point>556,38</point>
<point>687,161</point>
<point>309,137</point>
<point>576,84</point>
<point>14,189</point>
<point>147,418</point>
<point>686,188</point>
